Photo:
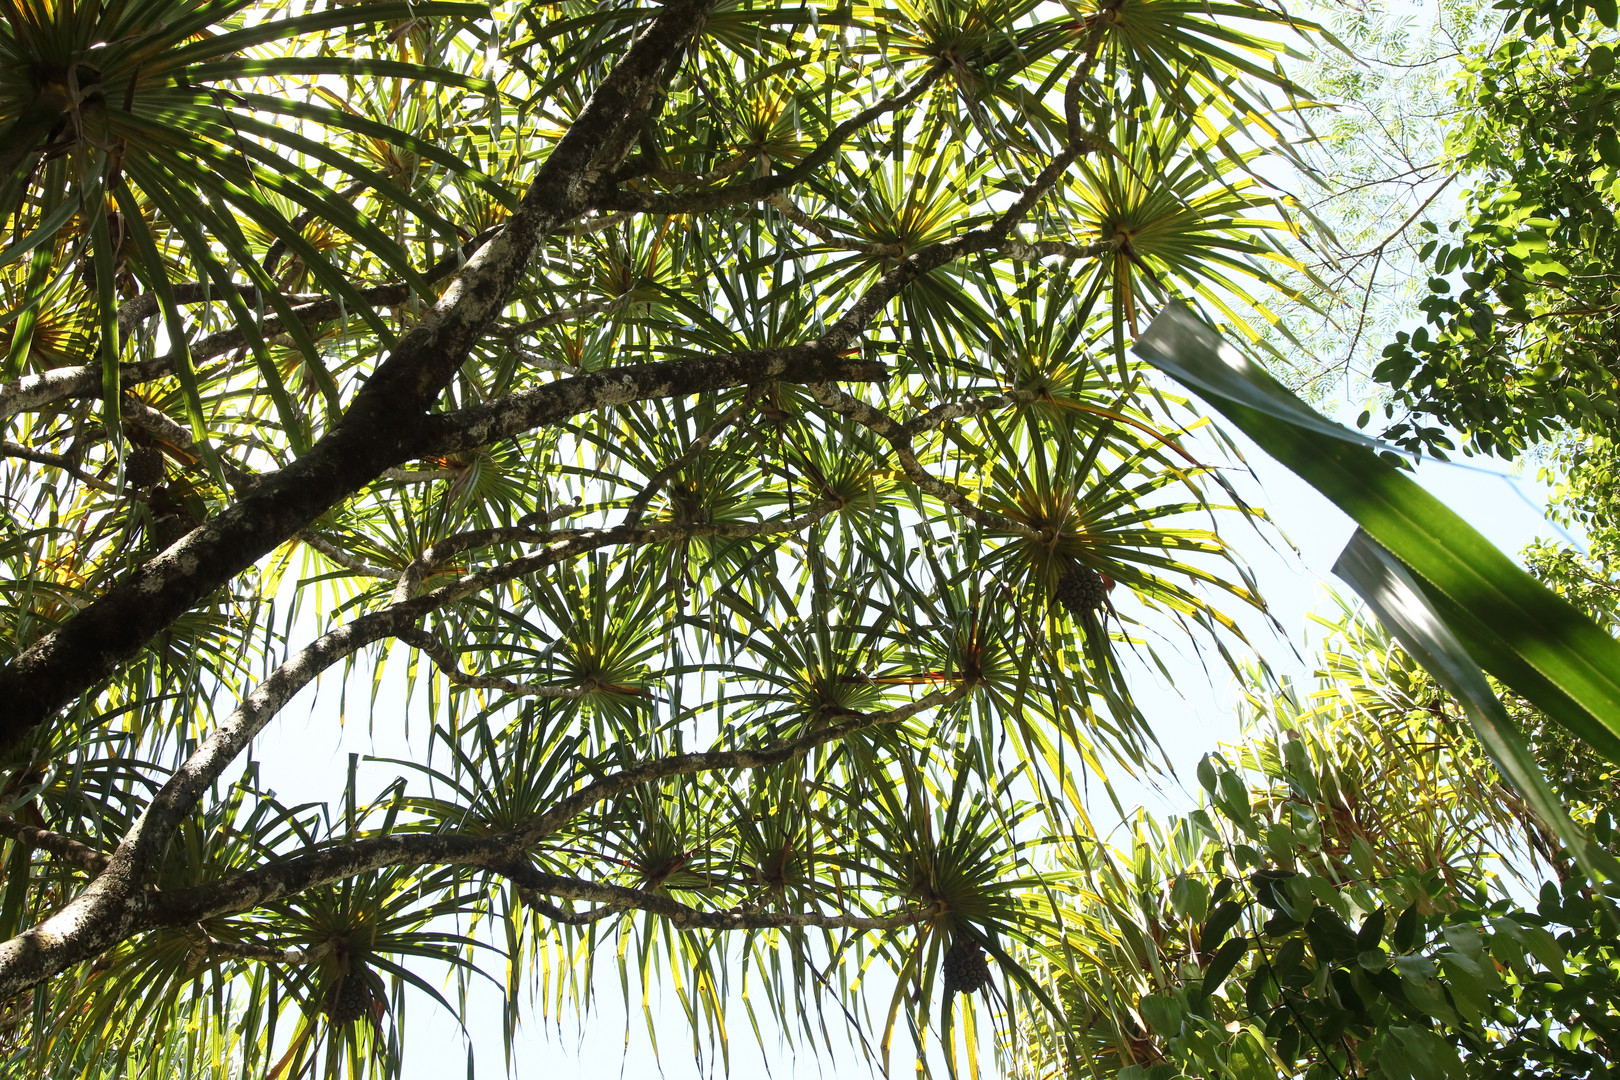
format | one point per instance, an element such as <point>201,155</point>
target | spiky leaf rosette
<point>965,969</point>
<point>704,542</point>
<point>1080,589</point>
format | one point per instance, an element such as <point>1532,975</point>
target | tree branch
<point>154,826</point>
<point>717,760</point>
<point>638,505</point>
<point>102,916</point>
<point>985,238</point>
<point>479,425</point>
<point>344,559</point>
<point>56,461</point>
<point>38,391</point>
<point>898,436</point>
<point>958,410</point>
<point>143,306</point>
<point>445,659</point>
<point>618,898</point>
<point>382,427</point>
<point>760,187</point>
<point>63,847</point>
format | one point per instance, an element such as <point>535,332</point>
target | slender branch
<point>63,847</point>
<point>985,238</point>
<point>536,362</point>
<point>604,789</point>
<point>754,190</point>
<point>718,760</point>
<point>566,543</point>
<point>497,854</point>
<point>137,309</point>
<point>531,527</point>
<point>479,425</point>
<point>418,476</point>
<point>676,178</point>
<point>571,918</point>
<point>638,505</point>
<point>556,318</point>
<point>1029,251</point>
<point>444,658</point>
<point>344,559</point>
<point>56,461</point>
<point>1400,229</point>
<point>293,874</point>
<point>958,410</point>
<point>617,897</point>
<point>209,948</point>
<point>101,917</point>
<point>826,235</point>
<point>208,762</point>
<point>593,224</point>
<point>898,437</point>
<point>38,391</point>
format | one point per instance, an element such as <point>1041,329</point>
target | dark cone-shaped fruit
<point>350,999</point>
<point>171,517</point>
<point>965,968</point>
<point>144,467</point>
<point>1080,590</point>
<point>167,530</point>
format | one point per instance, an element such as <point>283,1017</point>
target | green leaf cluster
<point>722,642</point>
<point>1336,908</point>
<point>1523,299</point>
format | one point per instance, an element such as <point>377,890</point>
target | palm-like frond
<point>701,582</point>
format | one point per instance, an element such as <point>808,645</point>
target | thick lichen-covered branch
<point>382,427</point>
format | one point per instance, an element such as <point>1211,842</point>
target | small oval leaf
<point>1226,958</point>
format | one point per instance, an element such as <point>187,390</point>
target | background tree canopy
<point>724,412</point>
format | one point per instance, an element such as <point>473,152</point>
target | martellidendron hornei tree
<point>726,409</point>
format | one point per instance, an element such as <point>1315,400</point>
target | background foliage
<point>1360,895</point>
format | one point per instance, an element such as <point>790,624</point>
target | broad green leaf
<point>1492,599</point>
<point>1225,959</point>
<point>1222,919</point>
<point>1423,1055</point>
<point>1402,607</point>
<point>1163,1013</point>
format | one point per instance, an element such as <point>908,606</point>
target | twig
<point>63,847</point>
<point>56,461</point>
<point>344,559</point>
<point>444,658</point>
<point>638,505</point>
